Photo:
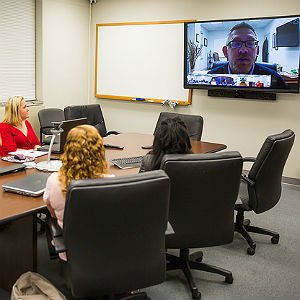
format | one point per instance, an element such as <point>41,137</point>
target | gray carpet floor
<point>271,274</point>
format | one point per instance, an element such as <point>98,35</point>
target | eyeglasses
<point>239,44</point>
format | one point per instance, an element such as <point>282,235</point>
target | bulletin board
<point>141,61</point>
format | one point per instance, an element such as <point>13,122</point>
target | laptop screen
<point>67,125</point>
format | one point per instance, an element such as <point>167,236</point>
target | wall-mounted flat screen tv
<point>287,35</point>
<point>255,54</point>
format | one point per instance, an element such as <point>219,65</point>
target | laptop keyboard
<point>128,162</point>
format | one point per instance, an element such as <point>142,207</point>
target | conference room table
<point>18,213</point>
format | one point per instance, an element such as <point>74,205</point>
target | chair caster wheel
<point>251,251</point>
<point>229,279</point>
<point>197,256</point>
<point>275,240</point>
<point>196,295</point>
<point>199,259</point>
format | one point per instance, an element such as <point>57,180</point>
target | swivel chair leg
<point>211,269</point>
<point>241,228</point>
<point>275,236</point>
<point>182,263</point>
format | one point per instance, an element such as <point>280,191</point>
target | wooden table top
<point>13,205</point>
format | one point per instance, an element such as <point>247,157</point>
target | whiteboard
<point>141,61</point>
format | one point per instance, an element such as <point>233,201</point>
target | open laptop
<point>31,185</point>
<point>66,125</point>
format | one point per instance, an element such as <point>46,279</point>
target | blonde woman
<point>15,130</point>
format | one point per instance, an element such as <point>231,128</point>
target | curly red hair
<point>83,157</point>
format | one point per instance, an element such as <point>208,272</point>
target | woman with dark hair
<point>171,138</point>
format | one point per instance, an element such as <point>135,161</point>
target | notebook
<point>66,125</point>
<point>32,185</point>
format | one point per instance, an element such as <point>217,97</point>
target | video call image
<point>255,53</point>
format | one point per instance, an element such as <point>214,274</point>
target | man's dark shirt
<point>277,80</point>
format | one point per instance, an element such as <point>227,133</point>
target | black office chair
<point>193,123</point>
<point>46,117</point>
<point>114,234</point>
<point>204,188</point>
<point>94,116</point>
<point>260,190</point>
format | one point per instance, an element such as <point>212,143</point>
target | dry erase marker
<point>140,99</point>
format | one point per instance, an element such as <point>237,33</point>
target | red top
<point>13,138</point>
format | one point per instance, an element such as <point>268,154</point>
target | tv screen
<point>242,55</point>
<point>288,34</point>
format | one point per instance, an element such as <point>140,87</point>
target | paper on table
<point>29,153</point>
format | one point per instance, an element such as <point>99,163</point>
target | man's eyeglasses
<point>239,44</point>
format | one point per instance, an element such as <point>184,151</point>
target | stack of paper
<point>29,153</point>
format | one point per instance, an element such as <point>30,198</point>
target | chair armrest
<point>249,159</point>
<point>244,176</point>
<point>59,244</point>
<point>54,229</point>
<point>46,127</point>
<point>56,233</point>
<point>113,132</point>
<point>247,180</point>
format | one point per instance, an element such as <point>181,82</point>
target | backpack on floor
<point>33,286</point>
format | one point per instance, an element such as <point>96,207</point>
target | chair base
<point>243,227</point>
<point>133,296</point>
<point>184,263</point>
<point>137,296</point>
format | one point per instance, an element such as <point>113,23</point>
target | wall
<point>62,52</point>
<point>240,124</point>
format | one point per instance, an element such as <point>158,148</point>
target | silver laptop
<point>66,125</point>
<point>31,185</point>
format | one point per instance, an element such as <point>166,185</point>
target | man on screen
<point>241,51</point>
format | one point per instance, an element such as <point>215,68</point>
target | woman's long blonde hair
<point>12,114</point>
<point>83,157</point>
